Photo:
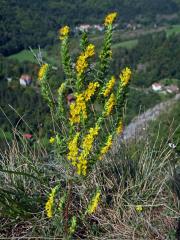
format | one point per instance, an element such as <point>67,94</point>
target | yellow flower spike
<point>61,88</point>
<point>52,140</point>
<point>42,71</point>
<point>119,128</point>
<point>88,140</point>
<point>82,64</point>
<point>79,171</point>
<point>94,203</point>
<point>110,104</point>
<point>125,76</point>
<point>106,148</point>
<point>110,18</point>
<point>109,86</point>
<point>84,172</point>
<point>87,144</point>
<point>90,51</point>
<point>139,208</point>
<point>82,165</point>
<point>89,92</point>
<point>50,202</point>
<point>78,109</point>
<point>64,32</point>
<point>73,149</point>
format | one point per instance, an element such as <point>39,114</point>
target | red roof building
<point>27,136</point>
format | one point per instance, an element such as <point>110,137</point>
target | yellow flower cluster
<point>119,129</point>
<point>73,149</point>
<point>89,139</point>
<point>110,18</point>
<point>94,203</point>
<point>106,148</point>
<point>109,86</point>
<point>87,144</point>
<point>110,104</point>
<point>50,202</point>
<point>82,63</point>
<point>52,140</point>
<point>42,71</point>
<point>82,165</point>
<point>125,76</point>
<point>61,88</point>
<point>89,92</point>
<point>80,161</point>
<point>90,50</point>
<point>64,32</point>
<point>139,208</point>
<point>79,106</point>
<point>78,109</point>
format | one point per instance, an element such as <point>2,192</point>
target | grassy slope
<point>25,55</point>
<point>126,44</point>
<point>173,29</point>
<point>135,174</point>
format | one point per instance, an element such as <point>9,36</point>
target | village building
<point>88,27</point>
<point>25,80</point>
<point>156,87</point>
<point>83,28</point>
<point>27,136</point>
<point>172,89</point>
<point>98,27</point>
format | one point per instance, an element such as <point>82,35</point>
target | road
<point>138,124</point>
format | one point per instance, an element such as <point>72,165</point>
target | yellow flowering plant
<point>88,100</point>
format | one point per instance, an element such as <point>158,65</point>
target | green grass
<point>25,55</point>
<point>126,44</point>
<point>174,29</point>
<point>169,81</point>
<point>132,174</point>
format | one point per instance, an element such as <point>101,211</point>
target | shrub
<point>88,114</point>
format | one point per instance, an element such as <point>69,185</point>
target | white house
<point>156,87</point>
<point>98,27</point>
<point>84,27</point>
<point>25,80</point>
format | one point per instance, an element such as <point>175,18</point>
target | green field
<point>126,44</point>
<point>26,55</point>
<point>173,29</point>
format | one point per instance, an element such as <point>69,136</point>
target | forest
<point>34,22</point>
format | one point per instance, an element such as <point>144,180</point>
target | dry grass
<point>138,173</point>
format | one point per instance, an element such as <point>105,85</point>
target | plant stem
<point>66,214</point>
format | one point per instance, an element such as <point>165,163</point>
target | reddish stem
<point>66,214</point>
